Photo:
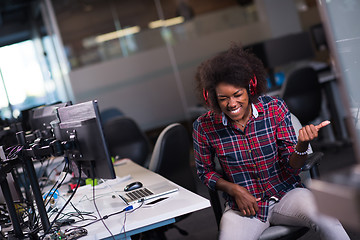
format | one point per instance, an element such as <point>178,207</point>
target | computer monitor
<point>277,52</point>
<point>81,124</point>
<point>41,117</point>
<point>25,117</point>
<point>287,49</point>
<point>318,35</point>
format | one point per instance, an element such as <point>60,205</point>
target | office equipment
<point>126,140</point>
<point>279,232</point>
<point>25,117</point>
<point>133,186</point>
<point>8,135</point>
<point>283,50</point>
<point>41,117</point>
<point>79,137</point>
<point>318,35</point>
<point>288,49</point>
<point>140,220</point>
<point>148,192</point>
<point>16,195</point>
<point>81,124</point>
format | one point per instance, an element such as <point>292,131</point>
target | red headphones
<point>252,89</point>
<point>252,86</point>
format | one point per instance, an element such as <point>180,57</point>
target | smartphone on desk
<point>155,202</point>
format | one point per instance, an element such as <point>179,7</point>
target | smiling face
<point>233,101</point>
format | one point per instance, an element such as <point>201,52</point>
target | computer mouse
<point>133,186</point>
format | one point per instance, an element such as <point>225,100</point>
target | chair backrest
<point>297,126</point>
<point>126,140</point>
<point>171,156</point>
<point>110,113</point>
<point>305,175</point>
<point>302,94</point>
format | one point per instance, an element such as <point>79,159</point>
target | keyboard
<point>139,194</point>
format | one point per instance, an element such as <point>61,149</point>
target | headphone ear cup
<point>252,86</point>
<point>206,96</point>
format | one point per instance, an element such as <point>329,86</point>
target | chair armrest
<point>312,160</point>
<point>311,164</point>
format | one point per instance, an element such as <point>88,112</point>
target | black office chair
<point>126,140</point>
<point>110,113</point>
<point>171,159</point>
<point>171,156</point>
<point>302,94</point>
<point>278,232</point>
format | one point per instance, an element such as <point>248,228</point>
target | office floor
<point>202,225</point>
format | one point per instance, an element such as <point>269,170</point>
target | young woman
<point>252,137</point>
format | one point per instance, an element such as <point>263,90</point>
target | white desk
<point>143,219</point>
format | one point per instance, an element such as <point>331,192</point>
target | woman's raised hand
<point>310,132</point>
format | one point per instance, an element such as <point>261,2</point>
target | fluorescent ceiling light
<point>117,34</point>
<point>167,22</point>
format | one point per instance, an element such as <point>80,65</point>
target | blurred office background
<point>137,56</point>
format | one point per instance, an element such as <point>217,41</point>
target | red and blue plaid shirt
<point>257,159</point>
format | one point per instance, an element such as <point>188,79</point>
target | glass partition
<point>102,30</point>
<point>340,18</point>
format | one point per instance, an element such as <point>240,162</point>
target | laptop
<point>148,192</point>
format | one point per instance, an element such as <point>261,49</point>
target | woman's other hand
<point>246,202</point>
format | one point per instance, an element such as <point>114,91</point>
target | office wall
<point>144,85</point>
<point>281,16</point>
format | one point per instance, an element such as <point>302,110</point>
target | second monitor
<point>81,124</point>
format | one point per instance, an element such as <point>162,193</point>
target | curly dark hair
<point>236,66</point>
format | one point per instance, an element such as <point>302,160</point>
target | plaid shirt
<point>257,159</point>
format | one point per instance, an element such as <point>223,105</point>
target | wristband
<point>301,153</point>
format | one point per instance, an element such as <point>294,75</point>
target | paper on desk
<point>107,188</point>
<point>105,183</point>
<point>108,182</point>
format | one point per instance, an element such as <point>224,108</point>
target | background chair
<point>126,140</point>
<point>279,232</point>
<point>171,156</point>
<point>171,159</point>
<point>110,113</point>
<point>302,93</point>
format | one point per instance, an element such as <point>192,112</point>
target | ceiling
<point>15,20</point>
<point>17,17</point>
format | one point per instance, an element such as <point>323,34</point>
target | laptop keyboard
<point>139,194</point>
